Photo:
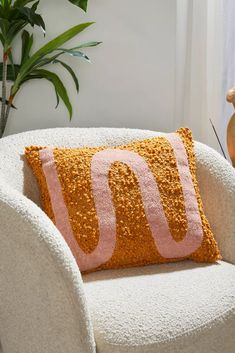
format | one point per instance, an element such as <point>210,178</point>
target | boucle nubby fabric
<point>46,306</point>
<point>164,309</point>
<point>132,205</point>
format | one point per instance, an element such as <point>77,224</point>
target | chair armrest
<point>217,186</point>
<point>42,304</point>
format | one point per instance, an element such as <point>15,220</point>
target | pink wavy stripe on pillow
<point>150,194</point>
<point>100,166</point>
<point>85,261</point>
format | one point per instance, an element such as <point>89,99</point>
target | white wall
<point>131,80</point>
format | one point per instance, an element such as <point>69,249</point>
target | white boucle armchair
<point>47,307</point>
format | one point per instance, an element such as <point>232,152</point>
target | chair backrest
<point>215,175</point>
<point>14,169</point>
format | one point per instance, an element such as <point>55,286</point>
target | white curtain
<point>228,58</point>
<point>199,66</point>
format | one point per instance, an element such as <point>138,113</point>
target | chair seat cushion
<point>170,308</point>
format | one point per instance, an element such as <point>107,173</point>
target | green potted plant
<point>15,16</point>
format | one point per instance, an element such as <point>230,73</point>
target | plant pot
<point>231,139</point>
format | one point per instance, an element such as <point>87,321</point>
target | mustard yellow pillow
<point>129,205</point>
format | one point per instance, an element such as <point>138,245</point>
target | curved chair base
<point>183,307</point>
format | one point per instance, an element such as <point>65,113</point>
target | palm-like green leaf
<point>31,66</point>
<point>72,52</point>
<point>1,39</point>
<point>15,15</point>
<point>6,4</point>
<point>15,68</point>
<point>46,61</point>
<point>30,15</point>
<point>57,83</point>
<point>4,27</point>
<point>80,3</point>
<point>18,3</point>
<point>76,53</point>
<point>70,70</point>
<point>10,31</point>
<point>12,72</point>
<point>13,18</point>
<point>46,50</point>
<point>27,42</point>
<point>86,45</point>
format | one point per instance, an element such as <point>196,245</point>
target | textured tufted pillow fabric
<point>129,205</point>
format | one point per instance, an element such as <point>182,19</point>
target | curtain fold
<point>199,66</point>
<point>228,59</point>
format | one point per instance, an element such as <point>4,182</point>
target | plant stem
<point>4,93</point>
<point>10,100</point>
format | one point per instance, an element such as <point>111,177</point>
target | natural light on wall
<point>199,65</point>
<point>156,72</point>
